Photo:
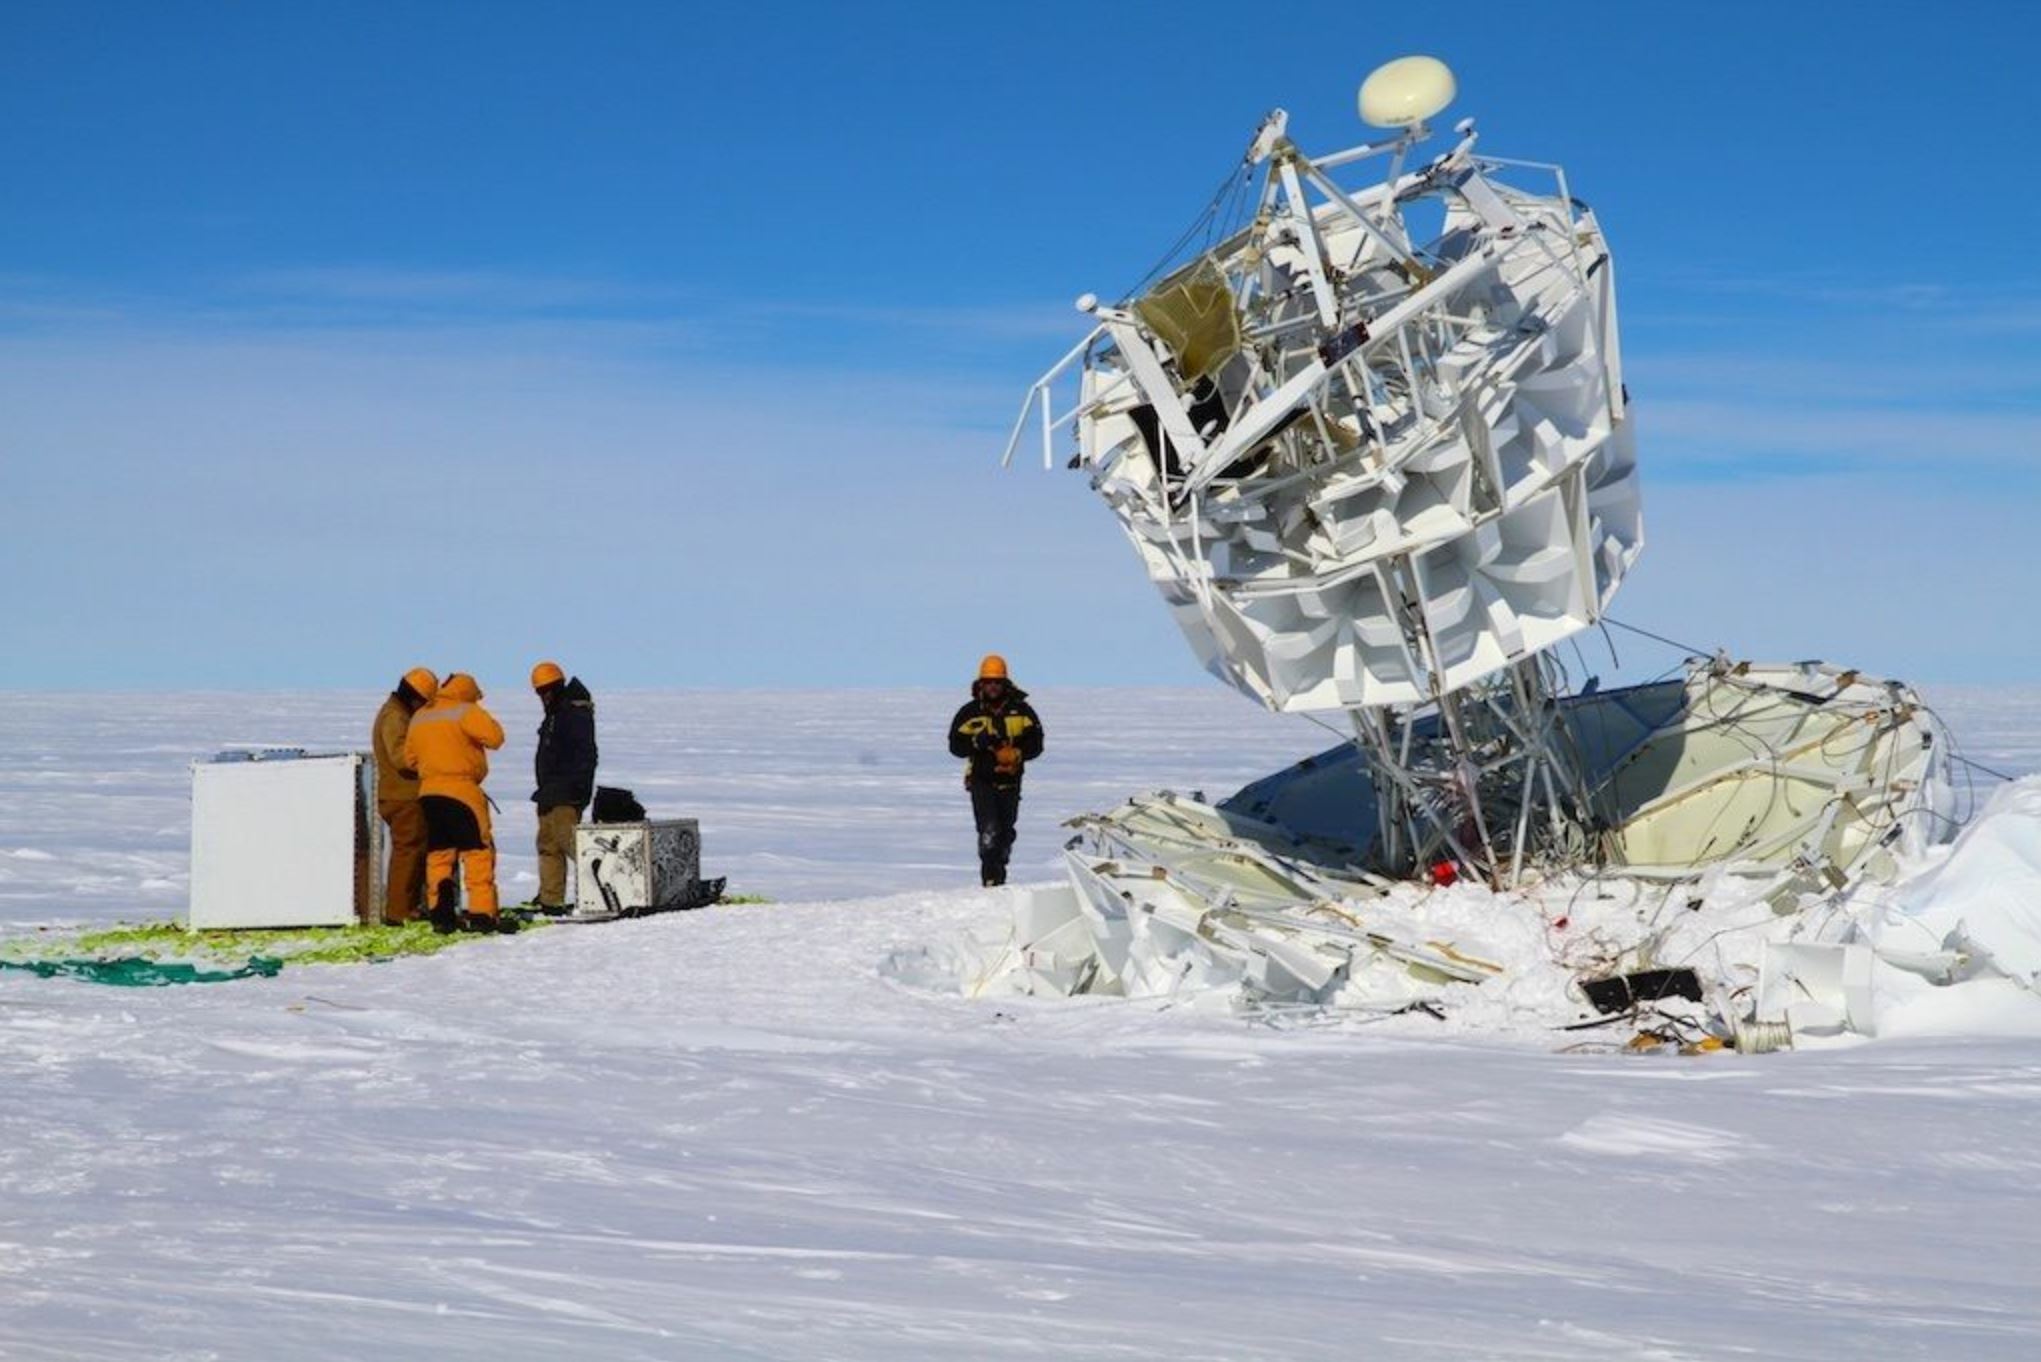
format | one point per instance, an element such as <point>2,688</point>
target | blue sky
<point>681,343</point>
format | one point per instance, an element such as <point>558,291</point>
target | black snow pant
<point>997,809</point>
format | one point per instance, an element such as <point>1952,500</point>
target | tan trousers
<point>404,892</point>
<point>556,849</point>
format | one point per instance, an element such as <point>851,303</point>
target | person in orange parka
<point>448,745</point>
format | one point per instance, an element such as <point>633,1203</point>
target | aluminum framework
<point>1372,445</point>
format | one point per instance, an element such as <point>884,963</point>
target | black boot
<point>446,909</point>
<point>485,923</point>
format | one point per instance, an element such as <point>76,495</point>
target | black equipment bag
<point>613,805</point>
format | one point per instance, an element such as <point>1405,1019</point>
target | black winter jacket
<point>565,763</point>
<point>977,732</point>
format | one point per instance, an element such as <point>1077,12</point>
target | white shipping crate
<point>632,868</point>
<point>282,838</point>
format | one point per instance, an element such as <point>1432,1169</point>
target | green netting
<point>135,971</point>
<point>153,954</point>
<point>348,945</point>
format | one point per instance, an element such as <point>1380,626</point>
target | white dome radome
<point>1405,91</point>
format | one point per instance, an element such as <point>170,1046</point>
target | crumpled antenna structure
<point>1373,447</point>
<point>1366,427</point>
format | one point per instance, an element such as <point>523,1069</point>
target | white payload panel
<point>283,839</point>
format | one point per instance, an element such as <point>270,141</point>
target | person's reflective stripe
<point>438,715</point>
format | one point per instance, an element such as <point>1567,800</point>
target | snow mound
<point>1983,898</point>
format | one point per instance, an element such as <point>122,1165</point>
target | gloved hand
<point>986,741</point>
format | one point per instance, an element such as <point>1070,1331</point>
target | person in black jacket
<point>565,769</point>
<point>996,733</point>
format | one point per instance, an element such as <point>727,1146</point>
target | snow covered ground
<point>730,1134</point>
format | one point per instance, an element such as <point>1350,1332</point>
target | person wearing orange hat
<point>448,745</point>
<point>996,733</point>
<point>397,795</point>
<point>564,770</point>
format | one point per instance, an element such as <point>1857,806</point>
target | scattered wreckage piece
<point>1806,773</point>
<point>1786,782</point>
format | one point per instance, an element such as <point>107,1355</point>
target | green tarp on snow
<point>134,971</point>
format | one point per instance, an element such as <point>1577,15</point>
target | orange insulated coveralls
<point>448,745</point>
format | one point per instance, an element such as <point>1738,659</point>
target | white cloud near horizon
<point>337,297</point>
<point>230,499</point>
<point>292,509</point>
